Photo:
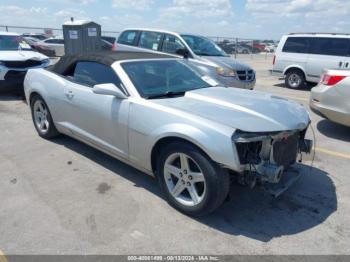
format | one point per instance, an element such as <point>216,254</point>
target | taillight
<point>274,60</point>
<point>114,47</point>
<point>330,80</point>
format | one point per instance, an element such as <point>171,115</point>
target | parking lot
<point>64,197</point>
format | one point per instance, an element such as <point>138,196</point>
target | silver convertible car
<point>156,113</point>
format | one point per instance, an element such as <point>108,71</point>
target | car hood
<point>226,61</point>
<point>250,111</point>
<point>21,55</point>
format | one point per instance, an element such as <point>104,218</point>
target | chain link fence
<point>237,47</point>
<point>48,32</point>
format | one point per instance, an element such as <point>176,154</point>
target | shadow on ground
<point>5,96</point>
<point>334,130</point>
<point>250,213</point>
<point>306,88</point>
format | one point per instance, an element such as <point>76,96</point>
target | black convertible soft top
<point>106,58</point>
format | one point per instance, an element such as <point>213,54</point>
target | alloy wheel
<point>41,116</point>
<point>184,179</point>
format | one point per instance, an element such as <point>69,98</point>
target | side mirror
<point>108,89</point>
<point>183,52</point>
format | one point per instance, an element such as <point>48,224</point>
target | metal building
<point>81,37</point>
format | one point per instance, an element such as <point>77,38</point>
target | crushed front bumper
<point>288,179</point>
<point>270,159</point>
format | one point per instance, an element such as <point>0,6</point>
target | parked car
<point>257,45</point>
<point>198,134</point>
<point>330,98</point>
<point>16,57</point>
<point>58,45</point>
<point>55,43</point>
<point>36,36</point>
<point>248,45</point>
<point>110,39</point>
<point>227,46</point>
<point>270,48</point>
<point>231,47</point>
<point>207,56</point>
<point>106,45</point>
<point>302,58</point>
<point>35,45</point>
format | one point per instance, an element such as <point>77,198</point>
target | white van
<point>302,58</point>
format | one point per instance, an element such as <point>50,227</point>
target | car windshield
<point>13,43</point>
<point>163,78</point>
<point>203,46</point>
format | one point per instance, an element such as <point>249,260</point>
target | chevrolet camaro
<point>156,113</point>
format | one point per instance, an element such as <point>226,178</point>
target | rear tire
<point>295,79</point>
<point>190,180</point>
<point>42,119</point>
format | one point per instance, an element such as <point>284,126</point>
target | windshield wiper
<point>207,54</point>
<point>167,94</point>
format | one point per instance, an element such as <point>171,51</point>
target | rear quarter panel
<point>49,86</point>
<point>343,94</point>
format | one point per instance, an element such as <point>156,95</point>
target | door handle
<point>340,64</point>
<point>69,94</point>
<point>346,64</point>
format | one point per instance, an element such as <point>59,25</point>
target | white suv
<point>302,58</point>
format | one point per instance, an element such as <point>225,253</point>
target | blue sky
<point>258,19</point>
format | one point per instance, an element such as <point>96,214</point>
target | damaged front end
<point>267,157</point>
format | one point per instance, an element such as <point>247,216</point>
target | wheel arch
<point>32,94</point>
<point>162,142</point>
<point>294,67</point>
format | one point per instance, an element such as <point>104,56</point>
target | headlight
<point>227,72</point>
<point>246,137</point>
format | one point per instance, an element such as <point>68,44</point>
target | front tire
<point>295,79</point>
<point>191,182</point>
<point>42,119</point>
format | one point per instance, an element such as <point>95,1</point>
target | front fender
<point>186,132</point>
<point>216,145</point>
<point>149,123</point>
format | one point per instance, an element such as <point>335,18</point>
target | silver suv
<point>205,54</point>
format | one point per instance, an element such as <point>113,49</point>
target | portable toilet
<point>81,36</point>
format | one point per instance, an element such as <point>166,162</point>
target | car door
<point>150,40</point>
<point>95,118</point>
<point>326,53</point>
<point>171,44</point>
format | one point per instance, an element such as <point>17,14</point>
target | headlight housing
<point>226,72</point>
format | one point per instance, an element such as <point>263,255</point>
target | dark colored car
<point>36,36</point>
<point>110,39</point>
<point>35,45</point>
